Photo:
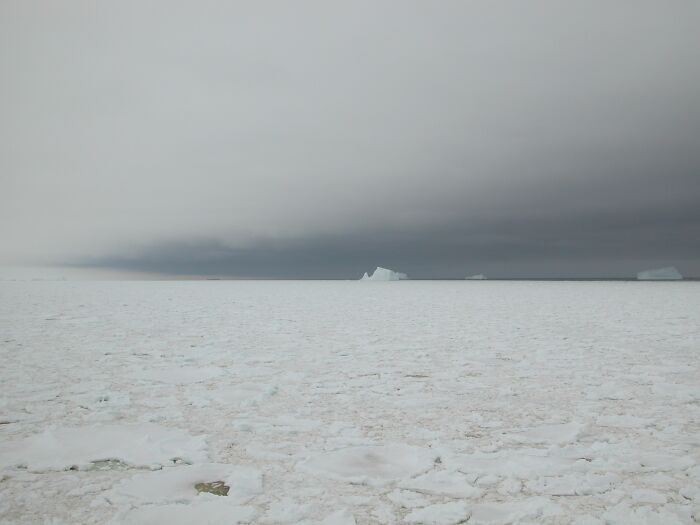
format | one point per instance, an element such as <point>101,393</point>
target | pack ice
<point>669,273</point>
<point>384,274</point>
<point>329,403</point>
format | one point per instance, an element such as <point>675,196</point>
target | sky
<point>318,139</point>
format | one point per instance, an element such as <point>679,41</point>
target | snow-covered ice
<point>384,274</point>
<point>336,404</point>
<point>136,445</point>
<point>177,484</point>
<point>669,273</point>
<point>372,464</point>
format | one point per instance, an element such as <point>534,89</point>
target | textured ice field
<point>350,402</point>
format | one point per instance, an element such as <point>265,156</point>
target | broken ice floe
<point>181,375</point>
<point>555,434</point>
<point>450,513</point>
<point>532,510</point>
<point>443,483</point>
<point>177,484</point>
<point>371,465</point>
<point>136,445</point>
<point>213,510</point>
<point>241,395</point>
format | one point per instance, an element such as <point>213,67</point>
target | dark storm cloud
<point>320,139</point>
<point>606,242</point>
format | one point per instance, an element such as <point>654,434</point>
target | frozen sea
<point>350,402</point>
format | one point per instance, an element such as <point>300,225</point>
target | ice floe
<point>136,445</point>
<point>372,465</point>
<point>443,483</point>
<point>450,513</point>
<point>214,510</point>
<point>178,484</point>
<point>532,510</point>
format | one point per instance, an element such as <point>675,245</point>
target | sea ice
<point>177,484</point>
<point>302,387</point>
<point>623,514</point>
<point>624,421</point>
<point>372,465</point>
<point>521,463</point>
<point>669,273</point>
<point>286,510</point>
<point>528,510</point>
<point>182,375</point>
<point>137,445</point>
<point>443,483</point>
<point>384,274</point>
<point>213,510</point>
<point>556,434</point>
<point>477,277</point>
<point>339,517</point>
<point>450,513</point>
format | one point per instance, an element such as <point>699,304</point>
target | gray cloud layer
<point>320,139</point>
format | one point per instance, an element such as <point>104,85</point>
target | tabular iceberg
<point>384,274</point>
<point>660,274</point>
<point>477,277</point>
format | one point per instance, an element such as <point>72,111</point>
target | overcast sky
<point>321,139</point>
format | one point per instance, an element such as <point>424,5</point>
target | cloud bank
<point>320,140</point>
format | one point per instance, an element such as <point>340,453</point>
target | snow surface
<point>329,403</point>
<point>668,273</point>
<point>384,274</point>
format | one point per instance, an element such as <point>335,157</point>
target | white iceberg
<point>477,277</point>
<point>668,273</point>
<point>384,274</point>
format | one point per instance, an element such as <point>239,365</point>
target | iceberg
<point>384,274</point>
<point>668,273</point>
<point>477,277</point>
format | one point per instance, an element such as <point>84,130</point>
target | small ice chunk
<point>213,511</point>
<point>285,510</point>
<point>372,465</point>
<point>623,514</point>
<point>513,511</point>
<point>558,433</point>
<point>648,496</point>
<point>340,517</point>
<point>384,274</point>
<point>477,277</point>
<point>443,483</point>
<point>669,273</point>
<point>182,375</point>
<point>408,499</point>
<point>624,421</point>
<point>440,514</point>
<point>522,463</point>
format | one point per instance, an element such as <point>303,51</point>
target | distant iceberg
<point>660,274</point>
<point>477,277</point>
<point>384,274</point>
